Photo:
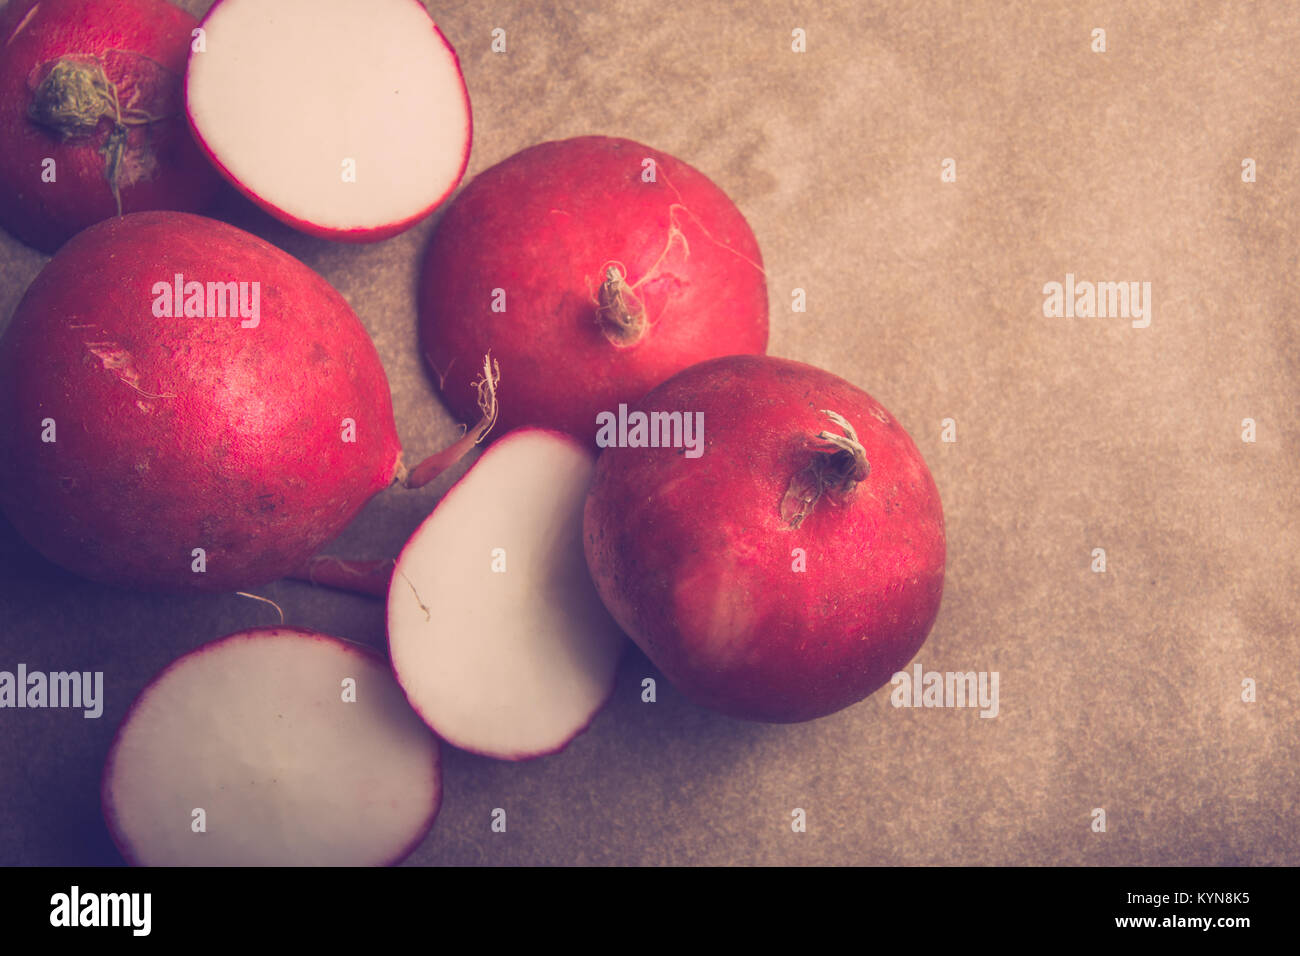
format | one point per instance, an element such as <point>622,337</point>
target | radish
<point>183,405</point>
<point>92,116</point>
<point>495,631</point>
<point>592,269</point>
<point>789,570</point>
<point>347,119</point>
<point>271,747</point>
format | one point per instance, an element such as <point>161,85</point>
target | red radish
<point>347,119</point>
<point>495,631</point>
<point>297,747</point>
<point>592,269</point>
<point>789,570</point>
<point>141,423</point>
<point>92,116</point>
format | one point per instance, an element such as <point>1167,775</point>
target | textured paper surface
<point>1118,690</point>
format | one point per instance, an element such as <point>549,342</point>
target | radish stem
<point>369,578</point>
<point>839,463</point>
<point>435,465</point>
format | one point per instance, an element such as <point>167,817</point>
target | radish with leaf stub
<point>92,116</point>
<point>793,566</point>
<point>592,269</point>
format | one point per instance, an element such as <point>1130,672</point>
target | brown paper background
<point>1118,690</point>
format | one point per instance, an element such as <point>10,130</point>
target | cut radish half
<point>495,629</point>
<point>272,747</point>
<point>347,119</point>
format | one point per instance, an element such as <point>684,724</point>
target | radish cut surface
<point>255,730</point>
<point>495,629</point>
<point>346,118</point>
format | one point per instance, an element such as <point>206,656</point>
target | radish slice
<point>255,731</point>
<point>495,629</point>
<point>348,119</point>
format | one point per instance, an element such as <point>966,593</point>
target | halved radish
<point>495,629</point>
<point>347,119</point>
<point>297,747</point>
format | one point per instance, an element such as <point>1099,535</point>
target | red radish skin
<point>696,558</point>
<point>610,283</point>
<point>187,432</point>
<point>135,50</point>
<point>249,105</point>
<point>363,664</point>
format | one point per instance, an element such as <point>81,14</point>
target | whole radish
<point>788,558</point>
<point>184,406</point>
<point>592,269</point>
<point>92,116</point>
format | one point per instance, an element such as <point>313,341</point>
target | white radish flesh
<point>344,117</point>
<point>495,629</point>
<point>257,732</point>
